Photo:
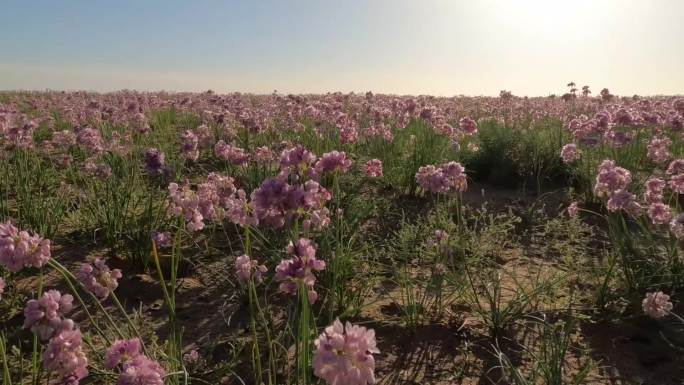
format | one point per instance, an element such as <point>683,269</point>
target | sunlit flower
<point>64,357</point>
<point>44,316</point>
<point>344,355</point>
<point>373,168</point>
<point>98,278</point>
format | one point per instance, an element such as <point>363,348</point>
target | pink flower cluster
<point>676,171</point>
<point>570,153</point>
<point>373,168</point>
<point>344,355</point>
<point>443,179</point>
<point>298,161</point>
<point>44,316</point>
<point>658,149</point>
<point>611,178</point>
<point>657,304</point>
<point>2,287</point>
<point>276,202</point>
<point>134,367</point>
<point>155,161</point>
<point>189,142</point>
<point>18,249</point>
<point>215,199</point>
<point>245,268</point>
<point>232,154</point>
<point>334,161</point>
<point>299,270</point>
<point>468,126</point>
<point>64,357</point>
<point>98,278</point>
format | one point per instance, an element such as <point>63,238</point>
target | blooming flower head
<point>654,190</point>
<point>189,142</point>
<point>233,154</point>
<point>657,304</point>
<point>141,371</point>
<point>373,168</point>
<point>2,287</point>
<point>191,357</point>
<point>98,278</point>
<point>18,249</point>
<point>573,210</point>
<point>570,153</point>
<point>467,125</point>
<point>677,183</point>
<point>677,226</point>
<point>297,160</point>
<point>622,200</point>
<point>64,357</point>
<point>344,355</point>
<point>245,267</point>
<point>162,239</point>
<point>658,149</point>
<point>333,161</point>
<point>443,179</point>
<point>660,213</point>
<point>44,315</point>
<point>122,352</point>
<point>611,178</point>
<point>299,269</point>
<point>675,167</point>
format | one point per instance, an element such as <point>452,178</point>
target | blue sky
<point>439,47</point>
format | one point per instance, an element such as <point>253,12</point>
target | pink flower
<point>245,267</point>
<point>162,239</point>
<point>141,371</point>
<point>189,142</point>
<point>623,200</point>
<point>191,357</point>
<point>333,161</point>
<point>344,355</point>
<point>659,213</point>
<point>654,190</point>
<point>468,126</point>
<point>677,183</point>
<point>263,154</point>
<point>233,154</point>
<point>122,352</point>
<point>570,153</point>
<point>443,179</point>
<point>18,249</point>
<point>658,149</point>
<point>676,167</point>
<point>44,315</point>
<point>299,269</point>
<point>573,210</point>
<point>611,178</point>
<point>98,278</point>
<point>65,358</point>
<point>2,287</point>
<point>373,168</point>
<point>677,226</point>
<point>657,304</point>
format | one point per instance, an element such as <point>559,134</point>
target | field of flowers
<point>343,239</point>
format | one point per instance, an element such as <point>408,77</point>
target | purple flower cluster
<point>64,357</point>
<point>373,168</point>
<point>232,154</point>
<point>299,269</point>
<point>611,178</point>
<point>344,355</point>
<point>334,161</point>
<point>189,142</point>
<point>276,202</point>
<point>570,153</point>
<point>468,126</point>
<point>443,179</point>
<point>134,367</point>
<point>45,316</point>
<point>657,149</point>
<point>245,268</point>
<point>98,278</point>
<point>18,249</point>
